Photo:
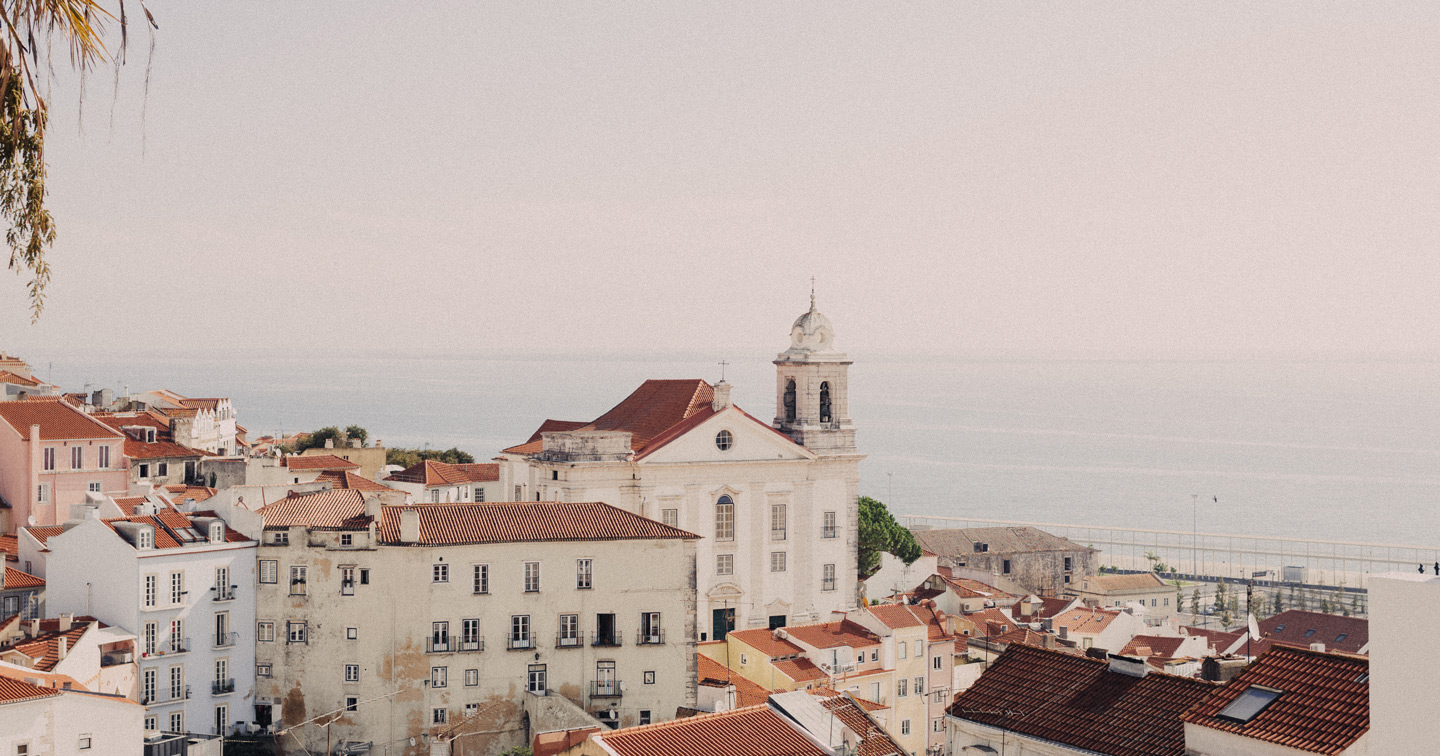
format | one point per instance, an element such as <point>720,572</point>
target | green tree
<point>879,532</point>
<point>1220,595</point>
<point>355,432</point>
<point>34,30</point>
<point>408,457</point>
<point>1279,602</point>
<point>317,439</point>
<point>1195,601</point>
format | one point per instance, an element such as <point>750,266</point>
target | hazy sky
<point>1103,179</point>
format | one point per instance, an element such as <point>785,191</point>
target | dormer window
<point>217,532</point>
<point>145,538</point>
<point>149,435</point>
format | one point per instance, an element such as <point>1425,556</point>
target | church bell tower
<point>812,388</point>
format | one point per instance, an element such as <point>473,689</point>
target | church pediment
<point>724,591</point>
<point>730,435</point>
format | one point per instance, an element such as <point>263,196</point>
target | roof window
<point>1341,637</point>
<point>1279,628</point>
<point>1251,702</point>
<point>1309,632</point>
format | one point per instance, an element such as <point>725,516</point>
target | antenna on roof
<point>723,363</point>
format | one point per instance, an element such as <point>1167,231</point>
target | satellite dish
<point>1254,627</point>
<point>31,520</point>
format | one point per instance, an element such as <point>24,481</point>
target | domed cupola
<point>812,391</point>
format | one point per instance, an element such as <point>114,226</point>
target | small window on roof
<point>1251,702</point>
<point>1341,637</point>
<point>1309,632</point>
<point>1279,628</point>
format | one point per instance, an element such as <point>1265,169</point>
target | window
<point>77,457</point>
<point>352,703</point>
<point>902,650</point>
<point>1167,602</point>
<point>830,529</point>
<point>789,401</point>
<point>874,655</point>
<point>93,486</point>
<point>177,681</point>
<point>582,573</point>
<point>904,727</point>
<point>650,632</point>
<point>919,686</point>
<point>147,638</point>
<point>150,588</point>
<point>262,670</point>
<point>47,458</point>
<point>269,571</point>
<point>1251,702</point>
<point>536,679</point>
<point>364,576</point>
<point>532,577</point>
<point>919,649</point>
<point>1309,632</point>
<point>777,561</point>
<point>825,402</point>
<point>439,676</point>
<point>744,659</point>
<point>439,636</point>
<point>42,493</point>
<point>777,522</point>
<point>104,453</point>
<point>479,494</point>
<point>724,564</point>
<point>1005,566</point>
<point>1068,564</point>
<point>725,519</point>
<point>519,493</point>
<point>434,496</point>
<point>177,721</point>
<point>177,587</point>
<point>937,725</point>
<point>347,539</point>
<point>352,673</point>
<point>162,469</point>
<point>352,633</point>
<point>470,635</point>
<point>347,580</point>
<point>177,635</point>
<point>650,677</point>
<point>151,723</point>
<point>1341,637</point>
<point>145,538</point>
<point>520,631</point>
<point>147,686</point>
<point>439,716</point>
<point>827,577</point>
<point>297,579</point>
<point>644,716</point>
<point>282,537</point>
<point>724,440</point>
<point>670,517</point>
<point>935,663</point>
<point>440,573</point>
<point>569,633</point>
<point>902,688</point>
<point>295,632</point>
<point>480,578</point>
<point>472,678</point>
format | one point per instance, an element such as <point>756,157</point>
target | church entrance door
<point>724,622</point>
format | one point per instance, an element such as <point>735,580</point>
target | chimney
<point>1064,632</point>
<point>63,647</point>
<point>354,443</point>
<point>722,396</point>
<point>1048,641</point>
<point>329,443</point>
<point>409,525</point>
<point>142,489</point>
<point>67,621</point>
<point>1317,647</point>
<point>1129,665</point>
<point>372,506</point>
<point>34,627</point>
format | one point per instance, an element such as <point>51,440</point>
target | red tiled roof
<point>1139,581</point>
<point>180,492</point>
<point>171,526</point>
<point>431,473</point>
<point>765,642</point>
<point>873,740</point>
<point>159,450</point>
<point>1301,628</point>
<point>44,532</point>
<point>146,419</point>
<point>967,588</point>
<point>336,509</point>
<point>800,670</point>
<point>647,412</point>
<point>1218,640</point>
<point>894,616</point>
<point>551,426</point>
<point>715,674</point>
<point>1325,706</point>
<point>834,634</point>
<point>10,544</point>
<point>57,420</point>
<point>751,731</point>
<point>1021,635</point>
<point>16,579</point>
<point>821,691</point>
<point>1086,621</point>
<point>318,462</point>
<point>519,522</point>
<point>990,622</point>
<point>1079,702</point>
<point>1158,645</point>
<point>15,691</point>
<point>1047,608</point>
<point>346,479</point>
<point>44,649</point>
<point>19,380</point>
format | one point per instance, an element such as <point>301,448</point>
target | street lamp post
<point>1194,533</point>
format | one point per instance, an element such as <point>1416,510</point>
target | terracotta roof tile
<point>15,691</point>
<point>180,492</point>
<point>519,522</point>
<point>19,380</point>
<point>834,634</point>
<point>1295,627</point>
<point>874,741</point>
<point>10,544</point>
<point>58,421</point>
<point>715,674</point>
<point>764,641</point>
<point>1325,706</point>
<point>1079,702</point>
<point>1140,581</point>
<point>894,616</point>
<point>346,479</point>
<point>318,462</point>
<point>960,542</point>
<point>336,509</point>
<point>800,670</point>
<point>1157,644</point>
<point>16,579</point>
<point>431,473</point>
<point>1218,640</point>
<point>175,529</point>
<point>1085,621</point>
<point>160,450</point>
<point>551,426</point>
<point>751,731</point>
<point>42,533</point>
<point>44,649</point>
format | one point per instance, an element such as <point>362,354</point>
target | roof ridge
<point>684,720</point>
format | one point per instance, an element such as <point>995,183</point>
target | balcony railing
<point>474,644</point>
<point>830,532</point>
<point>439,645</point>
<point>221,687</point>
<point>223,593</point>
<point>605,639</point>
<point>827,585</point>
<point>226,640</point>
<point>653,637</point>
<point>116,658</point>
<point>568,641</point>
<point>347,588</point>
<point>604,688</point>
<point>175,695</point>
<point>174,646</point>
<point>516,644</point>
<point>777,534</point>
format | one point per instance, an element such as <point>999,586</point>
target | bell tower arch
<point>812,387</point>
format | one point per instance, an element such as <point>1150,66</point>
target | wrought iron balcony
<point>598,638</point>
<point>604,688</point>
<point>518,644</point>
<point>653,637</point>
<point>226,640</point>
<point>568,641</point>
<point>221,687</point>
<point>439,645</point>
<point>475,644</point>
<point>223,593</point>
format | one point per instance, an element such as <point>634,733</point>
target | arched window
<point>825,402</point>
<point>790,401</point>
<point>724,519</point>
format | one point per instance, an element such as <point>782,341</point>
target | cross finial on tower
<point>812,292</point>
<point>723,363</point>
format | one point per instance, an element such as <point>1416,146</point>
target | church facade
<point>775,503</point>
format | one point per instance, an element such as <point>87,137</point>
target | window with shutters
<point>724,564</point>
<point>725,519</point>
<point>269,571</point>
<point>298,574</point>
<point>670,517</point>
<point>265,632</point>
<point>777,521</point>
<point>77,458</point>
<point>777,561</point>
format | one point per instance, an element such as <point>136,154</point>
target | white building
<point>1403,695</point>
<point>184,584</point>
<point>776,504</point>
<point>39,715</point>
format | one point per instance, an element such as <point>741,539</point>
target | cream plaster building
<point>776,503</point>
<point>405,625</point>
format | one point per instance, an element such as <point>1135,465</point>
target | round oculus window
<point>723,440</point>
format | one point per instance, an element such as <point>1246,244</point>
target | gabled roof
<point>968,588</point>
<point>1046,608</point>
<point>18,380</point>
<point>180,492</point>
<point>960,542</point>
<point>15,691</point>
<point>990,622</point>
<point>714,674</point>
<point>1087,621</point>
<point>43,533</point>
<point>874,741</point>
<point>1140,581</point>
<point>175,529</point>
<point>800,670</point>
<point>1158,645</point>
<point>16,579</point>
<point>764,641</point>
<point>431,473</point>
<point>336,509</point>
<point>160,450</point>
<point>551,426</point>
<point>10,544</point>
<point>1324,706</point>
<point>44,649</point>
<point>894,616</point>
<point>346,479</point>
<point>1079,702</point>
<point>1300,628</point>
<point>1218,640</point>
<point>318,462</point>
<point>58,421</point>
<point>833,635</point>
<point>523,522</point>
<point>751,731</point>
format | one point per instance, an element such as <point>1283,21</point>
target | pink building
<point>51,455</point>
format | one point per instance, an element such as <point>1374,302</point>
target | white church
<point>775,503</point>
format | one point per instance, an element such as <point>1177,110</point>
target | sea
<point>1343,449</point>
